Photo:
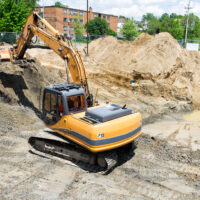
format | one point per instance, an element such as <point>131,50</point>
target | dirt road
<point>156,169</point>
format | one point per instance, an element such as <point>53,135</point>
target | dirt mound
<point>143,38</point>
<point>4,44</point>
<point>159,63</point>
<point>149,54</point>
<point>22,83</point>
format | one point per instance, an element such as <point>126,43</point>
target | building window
<point>95,15</point>
<point>108,17</point>
<point>104,17</point>
<point>81,21</point>
<point>64,19</point>
<point>71,12</point>
<point>70,20</point>
<point>71,28</point>
<point>65,28</point>
<point>65,11</point>
<point>81,13</point>
<point>75,13</point>
<point>108,24</point>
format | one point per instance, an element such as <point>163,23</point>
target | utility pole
<point>87,30</point>
<point>188,13</point>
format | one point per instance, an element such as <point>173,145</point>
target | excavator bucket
<point>5,54</point>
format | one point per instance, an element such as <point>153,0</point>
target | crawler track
<point>74,155</point>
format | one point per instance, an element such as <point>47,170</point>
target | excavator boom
<point>36,26</point>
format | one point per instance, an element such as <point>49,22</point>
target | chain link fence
<point>8,37</point>
<point>11,38</point>
<point>182,42</point>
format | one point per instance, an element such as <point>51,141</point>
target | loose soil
<point>155,170</point>
<point>165,164</point>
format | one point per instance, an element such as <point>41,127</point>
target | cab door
<point>52,107</point>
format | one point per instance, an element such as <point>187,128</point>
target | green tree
<point>153,25</point>
<point>129,30</point>
<point>59,4</point>
<point>173,16</point>
<point>140,25</point>
<point>164,15</point>
<point>193,26</point>
<point>111,32</point>
<point>78,27</point>
<point>196,29</point>
<point>148,17</point>
<point>173,27</point>
<point>97,26</point>
<point>37,5</point>
<point>31,3</point>
<point>13,15</point>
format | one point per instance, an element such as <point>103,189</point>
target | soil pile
<point>159,63</point>
<point>147,54</point>
<point>23,83</point>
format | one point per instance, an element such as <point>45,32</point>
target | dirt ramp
<point>22,83</point>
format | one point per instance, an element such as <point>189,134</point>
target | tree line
<point>173,24</point>
<point>13,14</point>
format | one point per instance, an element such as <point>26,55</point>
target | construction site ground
<point>159,168</point>
<point>166,161</point>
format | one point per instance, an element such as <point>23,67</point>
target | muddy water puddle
<point>194,116</point>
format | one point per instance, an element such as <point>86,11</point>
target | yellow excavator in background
<point>93,133</point>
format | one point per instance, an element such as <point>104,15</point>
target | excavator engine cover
<point>107,113</point>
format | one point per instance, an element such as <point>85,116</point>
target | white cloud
<point>150,1</point>
<point>129,11</point>
<point>131,8</point>
<point>196,8</point>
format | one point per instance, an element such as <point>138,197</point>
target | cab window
<point>50,102</point>
<point>60,106</point>
<point>50,108</point>
<point>76,103</point>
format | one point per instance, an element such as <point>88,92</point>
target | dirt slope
<point>22,83</point>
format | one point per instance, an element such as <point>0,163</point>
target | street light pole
<point>87,29</point>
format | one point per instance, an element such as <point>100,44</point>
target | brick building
<point>62,18</point>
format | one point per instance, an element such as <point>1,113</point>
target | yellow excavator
<point>93,133</point>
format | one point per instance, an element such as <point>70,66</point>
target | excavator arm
<point>36,26</point>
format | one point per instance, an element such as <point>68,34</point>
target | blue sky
<point>131,8</point>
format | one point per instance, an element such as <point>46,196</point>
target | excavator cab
<point>60,100</point>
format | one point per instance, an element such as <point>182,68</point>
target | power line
<point>188,8</point>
